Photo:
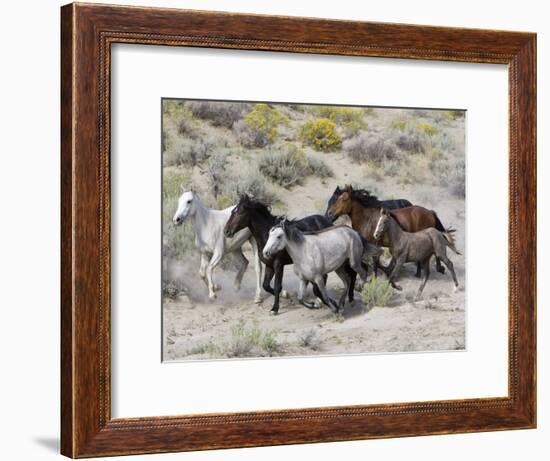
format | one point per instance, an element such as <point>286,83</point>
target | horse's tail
<point>449,238</point>
<point>438,225</point>
<point>370,249</point>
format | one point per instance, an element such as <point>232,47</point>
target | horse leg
<point>258,271</point>
<point>214,261</point>
<point>438,266</point>
<point>352,278</point>
<point>243,264</point>
<point>268,275</point>
<point>426,267</point>
<point>450,265</point>
<point>301,291</point>
<point>356,265</point>
<point>418,270</point>
<point>395,272</point>
<point>344,275</point>
<point>202,270</point>
<point>320,281</point>
<point>279,269</point>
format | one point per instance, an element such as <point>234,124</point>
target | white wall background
<point>29,226</point>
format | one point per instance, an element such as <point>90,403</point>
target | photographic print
<point>299,229</point>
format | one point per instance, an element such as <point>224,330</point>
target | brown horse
<point>364,211</point>
<point>414,247</point>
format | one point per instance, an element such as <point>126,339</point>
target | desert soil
<point>436,322</point>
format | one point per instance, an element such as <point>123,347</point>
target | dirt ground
<point>195,328</point>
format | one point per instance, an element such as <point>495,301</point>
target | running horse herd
<point>315,246</point>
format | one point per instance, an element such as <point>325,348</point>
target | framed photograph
<point>285,230</point>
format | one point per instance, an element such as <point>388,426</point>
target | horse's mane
<point>365,198</point>
<point>291,231</point>
<point>258,206</point>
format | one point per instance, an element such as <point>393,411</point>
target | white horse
<point>208,226</point>
<point>317,253</point>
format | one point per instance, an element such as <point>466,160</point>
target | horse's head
<point>276,241</point>
<point>240,217</point>
<point>186,207</point>
<point>333,199</point>
<point>382,223</point>
<point>342,205</point>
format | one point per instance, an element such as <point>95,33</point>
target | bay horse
<point>316,254</point>
<point>208,225</point>
<point>364,211</point>
<point>414,247</point>
<point>257,217</point>
<point>390,204</point>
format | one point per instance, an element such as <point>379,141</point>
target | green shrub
<point>172,183</point>
<point>377,292</point>
<point>248,137</point>
<point>321,135</point>
<point>209,348</point>
<point>251,341</point>
<point>171,107</point>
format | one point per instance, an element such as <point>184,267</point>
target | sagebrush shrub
<point>456,179</point>
<point>186,152</point>
<point>219,113</point>
<point>361,148</point>
<point>249,137</point>
<point>321,135</point>
<point>249,180</point>
<point>411,142</point>
<point>288,165</point>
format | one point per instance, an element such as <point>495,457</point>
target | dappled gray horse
<point>414,247</point>
<point>317,253</point>
<point>212,244</point>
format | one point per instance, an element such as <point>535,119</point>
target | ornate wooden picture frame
<point>87,34</point>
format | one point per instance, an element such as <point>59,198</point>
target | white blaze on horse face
<point>275,243</point>
<point>380,226</point>
<point>185,207</point>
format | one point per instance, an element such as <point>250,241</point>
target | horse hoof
<point>398,287</point>
<point>317,304</point>
<point>258,300</point>
<point>456,288</point>
<point>441,270</point>
<point>285,294</point>
<point>237,286</point>
<point>212,296</point>
<point>417,275</point>
<point>273,312</point>
<point>217,287</point>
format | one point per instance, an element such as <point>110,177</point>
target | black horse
<point>389,204</point>
<point>258,218</point>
